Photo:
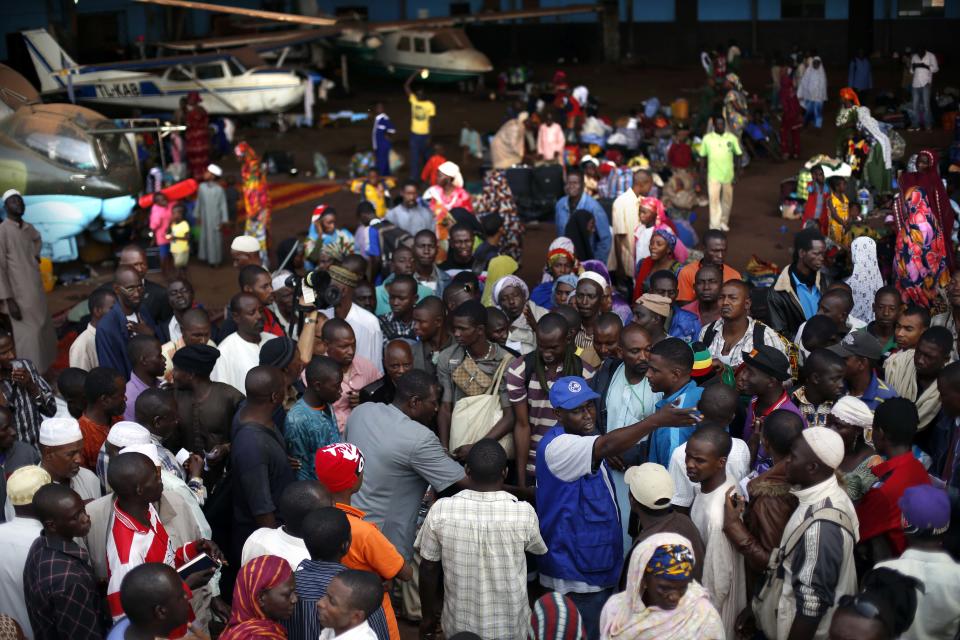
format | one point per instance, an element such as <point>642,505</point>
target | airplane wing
<point>259,42</point>
<point>317,21</point>
<point>493,16</point>
<point>382,26</point>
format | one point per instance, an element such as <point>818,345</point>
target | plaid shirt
<point>61,592</point>
<point>393,328</point>
<point>28,411</point>
<point>481,538</point>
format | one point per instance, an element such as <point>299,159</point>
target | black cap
<point>769,360</point>
<point>196,358</point>
<point>278,352</point>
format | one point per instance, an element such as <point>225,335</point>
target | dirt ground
<point>756,225</point>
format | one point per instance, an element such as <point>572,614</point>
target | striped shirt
<point>132,544</point>
<point>540,413</point>
<point>313,577</point>
<point>28,411</point>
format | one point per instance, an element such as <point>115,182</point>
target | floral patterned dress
<point>256,198</point>
<point>920,262</point>
<point>496,197</point>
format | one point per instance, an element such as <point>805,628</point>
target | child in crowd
<point>179,238</point>
<point>374,189</point>
<point>493,230</point>
<point>159,225</point>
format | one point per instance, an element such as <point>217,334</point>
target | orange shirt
<point>371,551</point>
<point>94,435</point>
<point>689,273</point>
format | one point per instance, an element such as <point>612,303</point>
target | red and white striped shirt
<point>131,544</point>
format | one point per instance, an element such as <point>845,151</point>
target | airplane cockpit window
<point>404,44</point>
<point>59,142</point>
<point>114,150</point>
<point>449,40</point>
<point>235,69</point>
<point>176,75</point>
<point>209,71</point>
<point>419,45</point>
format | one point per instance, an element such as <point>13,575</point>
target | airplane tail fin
<point>48,58</point>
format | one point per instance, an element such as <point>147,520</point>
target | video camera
<point>316,288</point>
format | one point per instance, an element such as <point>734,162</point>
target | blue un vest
<point>580,523</point>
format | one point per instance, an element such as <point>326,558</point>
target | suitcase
<point>520,180</point>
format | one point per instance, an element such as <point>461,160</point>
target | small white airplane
<point>234,83</point>
<point>394,49</point>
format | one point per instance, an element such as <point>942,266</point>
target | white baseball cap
<point>650,485</point>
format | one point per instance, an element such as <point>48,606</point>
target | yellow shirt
<point>180,230</point>
<point>420,113</point>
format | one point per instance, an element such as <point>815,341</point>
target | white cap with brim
<point>9,193</point>
<point>246,244</point>
<point>650,485</point>
<point>126,433</point>
<point>149,450</point>
<point>826,444</point>
<point>56,432</point>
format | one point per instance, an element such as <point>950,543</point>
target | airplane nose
<point>475,61</point>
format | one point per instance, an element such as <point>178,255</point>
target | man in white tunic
<point>240,351</point>
<point>723,574</point>
<point>21,290</point>
<point>16,538</point>
<point>211,215</point>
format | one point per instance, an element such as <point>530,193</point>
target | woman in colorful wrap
<point>652,217</point>
<point>496,197</point>
<point>736,111</point>
<point>662,601</point>
<point>198,136</point>
<point>446,195</point>
<point>560,261</point>
<point>879,163</point>
<point>921,249</point>
<point>662,257</point>
<point>927,177</point>
<point>838,207</point>
<point>264,595</point>
<point>791,118</point>
<point>256,197</point>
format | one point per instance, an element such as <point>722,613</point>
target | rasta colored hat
<point>343,276</point>
<point>338,466</point>
<point>197,359</point>
<point>702,361</point>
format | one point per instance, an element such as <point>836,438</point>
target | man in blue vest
<point>576,502</point>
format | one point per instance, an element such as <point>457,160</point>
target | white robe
<point>723,573</point>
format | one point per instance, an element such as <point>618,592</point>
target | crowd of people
<point>388,423</point>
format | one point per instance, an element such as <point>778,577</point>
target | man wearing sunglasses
<point>124,320</point>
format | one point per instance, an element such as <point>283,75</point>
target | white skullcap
<point>523,116</point>
<point>149,450</point>
<point>246,244</point>
<point>853,411</point>
<point>24,482</point>
<point>595,277</point>
<point>55,432</point>
<point>280,280</point>
<point>826,444</point>
<point>126,433</point>
<point>215,170</point>
<point>9,193</point>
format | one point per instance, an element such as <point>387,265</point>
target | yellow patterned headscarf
<point>670,562</point>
